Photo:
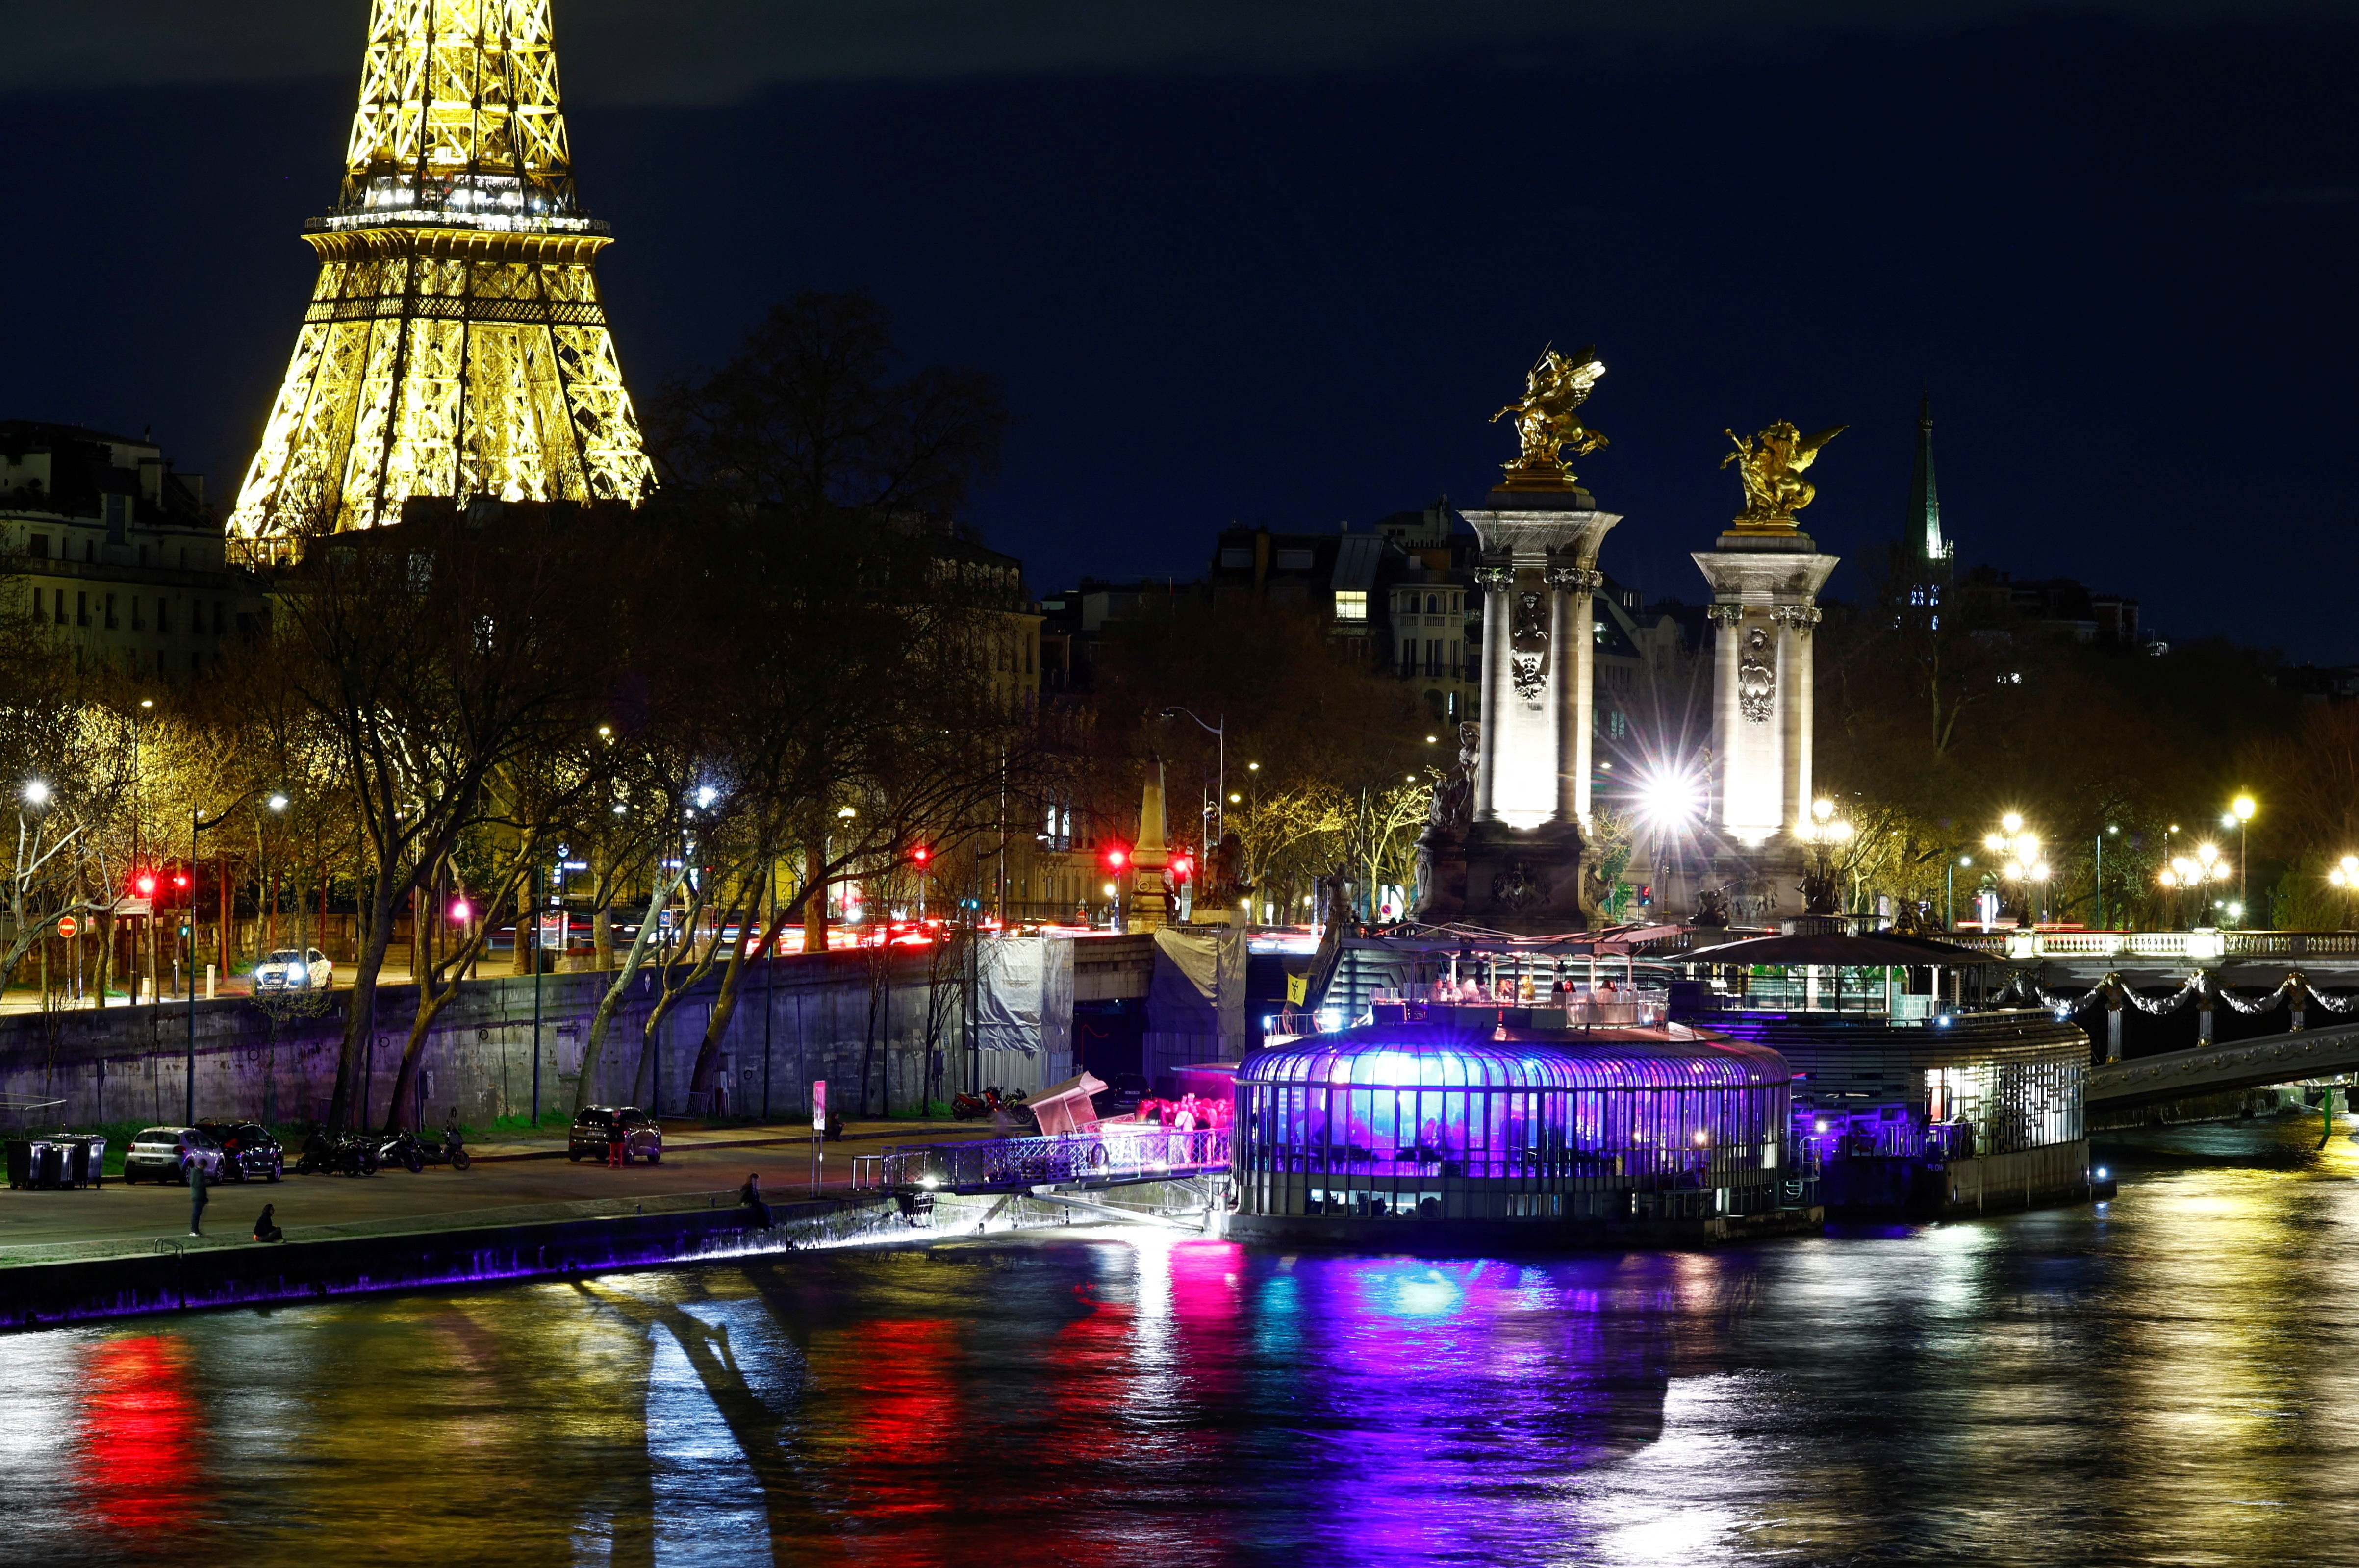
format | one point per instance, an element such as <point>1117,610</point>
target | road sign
<point>819,1105</point>
<point>68,926</point>
<point>135,906</point>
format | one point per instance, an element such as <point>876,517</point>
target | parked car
<point>165,1153</point>
<point>293,969</point>
<point>1122,1098</point>
<point>247,1151</point>
<point>593,1133</point>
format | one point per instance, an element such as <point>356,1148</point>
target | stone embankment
<point>66,1282</point>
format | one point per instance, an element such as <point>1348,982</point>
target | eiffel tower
<point>456,346</point>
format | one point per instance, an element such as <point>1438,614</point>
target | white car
<point>293,970</point>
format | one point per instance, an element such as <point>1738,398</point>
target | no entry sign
<point>68,926</point>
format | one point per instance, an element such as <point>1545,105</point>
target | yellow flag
<point>1298,989</point>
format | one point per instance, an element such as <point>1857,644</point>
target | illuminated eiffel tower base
<point>456,346</point>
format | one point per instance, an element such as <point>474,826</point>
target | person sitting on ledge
<point>750,1197</point>
<point>265,1228</point>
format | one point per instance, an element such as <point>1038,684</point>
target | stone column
<point>1494,577</point>
<point>1575,589</point>
<point>1538,569</point>
<point>1765,587</point>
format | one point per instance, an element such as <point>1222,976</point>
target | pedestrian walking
<point>196,1173</point>
<point>266,1228</point>
<point>750,1197</point>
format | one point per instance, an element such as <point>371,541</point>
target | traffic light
<point>1181,866</point>
<point>921,855</point>
<point>1117,857</point>
<point>144,884</point>
<point>179,879</point>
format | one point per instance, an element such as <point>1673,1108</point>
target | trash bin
<point>20,1162</point>
<point>49,1165</point>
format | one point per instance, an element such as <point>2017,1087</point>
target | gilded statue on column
<point>1772,465</point>
<point>1547,421</point>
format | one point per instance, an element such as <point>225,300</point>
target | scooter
<point>448,1150</point>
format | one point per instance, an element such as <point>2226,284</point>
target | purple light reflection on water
<point>1955,1393</point>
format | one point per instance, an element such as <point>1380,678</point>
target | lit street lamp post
<point>196,824</point>
<point>2242,809</point>
<point>2020,863</point>
<point>1221,733</point>
<point>2345,875</point>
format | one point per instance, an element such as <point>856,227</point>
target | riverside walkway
<point>506,1175</point>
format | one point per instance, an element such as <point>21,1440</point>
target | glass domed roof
<point>1411,1055</point>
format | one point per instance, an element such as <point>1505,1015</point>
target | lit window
<point>1351,605</point>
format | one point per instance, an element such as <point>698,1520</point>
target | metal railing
<point>1106,1154</point>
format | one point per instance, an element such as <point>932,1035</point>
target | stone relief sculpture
<point>1756,678</point>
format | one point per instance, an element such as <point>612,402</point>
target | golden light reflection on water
<point>2160,1379</point>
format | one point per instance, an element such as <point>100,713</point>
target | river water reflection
<point>2166,1378</point>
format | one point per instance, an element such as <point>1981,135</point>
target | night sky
<point>1278,262</point>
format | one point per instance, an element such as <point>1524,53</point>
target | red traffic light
<point>1116,857</point>
<point>144,884</point>
<point>180,878</point>
<point>921,854</point>
<point>1181,867</point>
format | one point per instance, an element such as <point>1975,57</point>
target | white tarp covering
<point>1024,1009</point>
<point>1196,1002</point>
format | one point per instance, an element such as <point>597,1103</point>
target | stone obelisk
<point>1507,853</point>
<point>1766,575</point>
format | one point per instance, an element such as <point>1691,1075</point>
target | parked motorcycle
<point>966,1107</point>
<point>344,1154</point>
<point>401,1148</point>
<point>449,1150</point>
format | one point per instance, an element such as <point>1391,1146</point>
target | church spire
<point>1924,494</point>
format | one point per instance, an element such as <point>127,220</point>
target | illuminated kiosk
<point>1911,1097</point>
<point>1441,1127</point>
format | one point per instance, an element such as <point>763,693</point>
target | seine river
<point>2172,1377</point>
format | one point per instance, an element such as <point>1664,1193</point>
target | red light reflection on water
<point>903,1425</point>
<point>139,1451</point>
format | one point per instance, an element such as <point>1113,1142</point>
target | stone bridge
<point>2257,1064</point>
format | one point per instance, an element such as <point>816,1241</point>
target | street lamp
<point>196,824</point>
<point>2242,809</point>
<point>2110,830</point>
<point>1950,888</point>
<point>1823,833</point>
<point>2195,872</point>
<point>2345,875</point>
<point>2018,848</point>
<point>1221,733</point>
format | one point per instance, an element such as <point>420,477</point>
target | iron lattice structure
<point>456,346</point>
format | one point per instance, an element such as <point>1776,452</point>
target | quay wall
<point>806,1017</point>
<point>172,1279</point>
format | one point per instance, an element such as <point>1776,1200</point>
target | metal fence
<point>1105,1155</point>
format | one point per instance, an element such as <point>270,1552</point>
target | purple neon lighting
<point>1432,1056</point>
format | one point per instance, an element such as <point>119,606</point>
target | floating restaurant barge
<point>1449,1126</point>
<point>1909,1099</point>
